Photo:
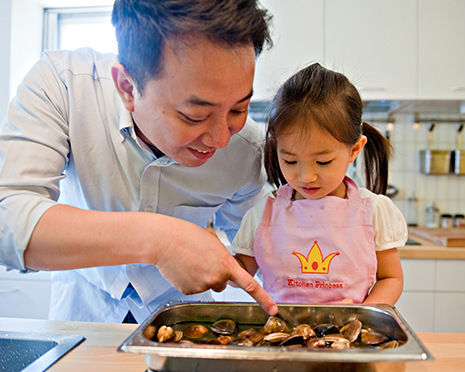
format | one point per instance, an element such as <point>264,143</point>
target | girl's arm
<point>389,279</point>
<point>247,262</point>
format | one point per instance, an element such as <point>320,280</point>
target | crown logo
<point>314,263</point>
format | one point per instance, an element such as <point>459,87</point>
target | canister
<point>459,220</point>
<point>446,220</point>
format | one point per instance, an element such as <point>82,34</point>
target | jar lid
<point>446,215</point>
<point>459,216</point>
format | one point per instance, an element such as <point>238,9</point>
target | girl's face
<point>315,164</point>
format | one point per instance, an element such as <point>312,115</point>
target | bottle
<point>412,211</point>
<point>432,216</point>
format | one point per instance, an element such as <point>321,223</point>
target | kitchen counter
<point>430,250</point>
<point>98,352</point>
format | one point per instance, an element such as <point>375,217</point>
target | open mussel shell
<point>351,330</point>
<point>373,337</point>
<point>224,327</point>
<point>305,331</point>
<point>326,329</point>
<point>274,325</point>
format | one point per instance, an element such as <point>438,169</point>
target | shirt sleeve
<point>244,240</point>
<point>390,228</point>
<point>252,172</point>
<point>33,153</point>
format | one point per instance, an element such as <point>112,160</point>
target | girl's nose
<point>307,174</point>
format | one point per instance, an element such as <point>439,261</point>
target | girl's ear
<point>358,147</point>
<point>124,85</point>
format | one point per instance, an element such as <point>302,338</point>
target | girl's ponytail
<point>376,155</point>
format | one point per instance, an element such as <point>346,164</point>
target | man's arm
<point>189,257</point>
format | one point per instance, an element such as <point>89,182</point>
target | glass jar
<point>446,220</point>
<point>459,220</point>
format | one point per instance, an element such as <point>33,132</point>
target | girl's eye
<point>239,112</point>
<point>290,162</point>
<point>323,163</point>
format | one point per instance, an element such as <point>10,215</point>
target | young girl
<point>321,239</point>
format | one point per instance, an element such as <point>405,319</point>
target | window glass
<point>73,28</point>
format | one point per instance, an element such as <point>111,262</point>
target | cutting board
<point>447,237</point>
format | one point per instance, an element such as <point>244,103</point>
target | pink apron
<point>317,251</point>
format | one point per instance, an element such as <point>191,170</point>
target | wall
<point>21,29</point>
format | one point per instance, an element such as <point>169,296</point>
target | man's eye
<point>239,112</point>
<point>191,120</point>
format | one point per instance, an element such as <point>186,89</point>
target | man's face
<point>198,102</point>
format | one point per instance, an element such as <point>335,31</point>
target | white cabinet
<point>433,299</point>
<point>24,295</point>
<point>298,41</point>
<point>393,50</point>
<point>441,49</point>
<point>373,42</point>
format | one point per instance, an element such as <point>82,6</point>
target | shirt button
<point>132,267</point>
<point>148,209</point>
<point>113,296</point>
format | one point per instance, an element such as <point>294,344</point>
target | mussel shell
<point>304,330</point>
<point>351,330</point>
<point>325,329</point>
<point>293,340</point>
<point>373,337</point>
<point>274,325</point>
<point>276,337</point>
<point>195,331</point>
<point>165,334</point>
<point>224,327</point>
<point>335,342</point>
<point>252,335</point>
<point>221,340</point>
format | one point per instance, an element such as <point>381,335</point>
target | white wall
<point>5,26</point>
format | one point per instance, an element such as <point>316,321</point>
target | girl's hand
<point>347,301</point>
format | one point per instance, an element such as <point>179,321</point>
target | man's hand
<point>196,260</point>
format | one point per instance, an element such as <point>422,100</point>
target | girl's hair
<point>143,27</point>
<point>318,96</point>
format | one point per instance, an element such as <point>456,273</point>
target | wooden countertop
<point>430,250</point>
<point>99,351</point>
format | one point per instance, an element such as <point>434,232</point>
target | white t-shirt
<point>389,226</point>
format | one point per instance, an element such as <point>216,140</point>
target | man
<point>109,169</point>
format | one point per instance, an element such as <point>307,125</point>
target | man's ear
<point>124,85</point>
<point>358,147</point>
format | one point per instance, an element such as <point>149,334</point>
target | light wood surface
<point>430,250</point>
<point>99,351</point>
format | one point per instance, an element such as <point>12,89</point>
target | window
<point>73,28</point>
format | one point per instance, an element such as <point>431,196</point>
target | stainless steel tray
<point>174,357</point>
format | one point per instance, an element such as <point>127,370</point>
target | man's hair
<point>144,26</point>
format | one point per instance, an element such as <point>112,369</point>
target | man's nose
<point>219,134</point>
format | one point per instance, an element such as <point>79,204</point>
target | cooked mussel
<point>224,327</point>
<point>195,331</point>
<point>351,330</point>
<point>275,324</point>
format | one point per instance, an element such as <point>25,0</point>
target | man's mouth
<point>202,154</point>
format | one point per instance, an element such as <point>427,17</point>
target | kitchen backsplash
<point>446,191</point>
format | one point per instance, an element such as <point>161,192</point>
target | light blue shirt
<point>68,139</point>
